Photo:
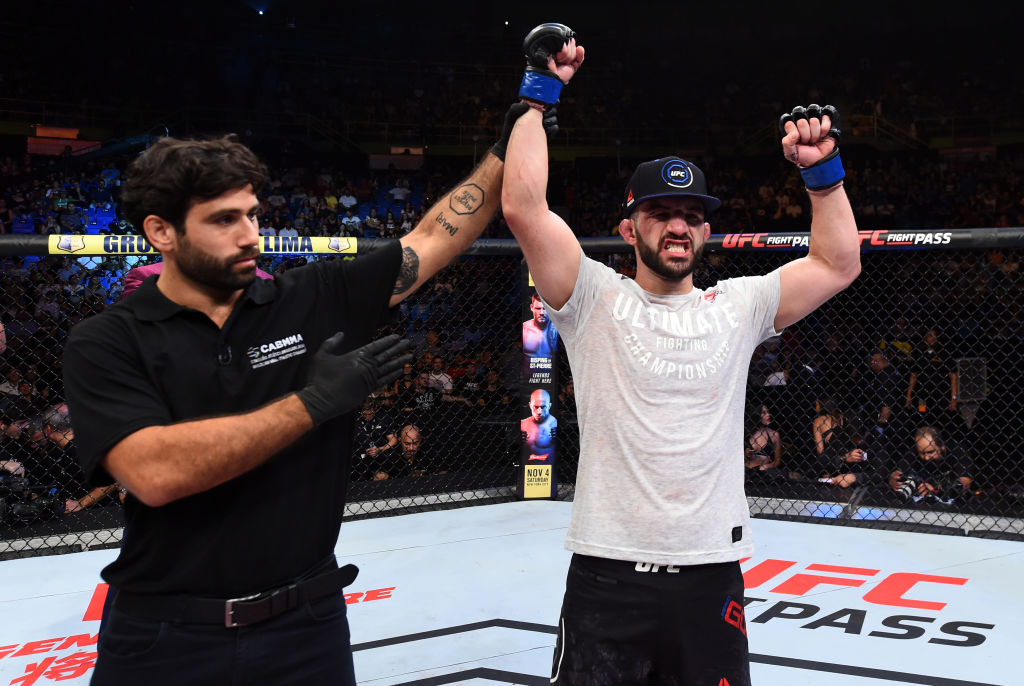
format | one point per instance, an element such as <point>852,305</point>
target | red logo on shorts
<point>733,614</point>
<point>723,682</point>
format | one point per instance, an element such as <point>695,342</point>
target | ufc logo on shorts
<point>651,567</point>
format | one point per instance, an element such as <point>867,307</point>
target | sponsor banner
<point>879,603</point>
<point>539,387</point>
<point>869,240</point>
<point>538,482</point>
<point>74,244</point>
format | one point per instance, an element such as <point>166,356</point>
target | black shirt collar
<point>150,305</point>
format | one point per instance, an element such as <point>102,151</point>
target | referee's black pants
<point>309,645</point>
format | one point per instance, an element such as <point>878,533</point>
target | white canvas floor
<point>471,596</point>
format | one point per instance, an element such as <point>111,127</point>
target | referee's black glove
<point>339,383</point>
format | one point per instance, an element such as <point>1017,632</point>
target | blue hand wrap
<point>825,174</point>
<point>541,86</point>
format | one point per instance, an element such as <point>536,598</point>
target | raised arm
<point>449,227</point>
<point>457,219</point>
<point>833,258</point>
<point>548,244</point>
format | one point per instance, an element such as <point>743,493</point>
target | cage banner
<point>539,386</point>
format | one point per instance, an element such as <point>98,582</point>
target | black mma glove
<point>517,110</point>
<point>540,84</point>
<point>828,171</point>
<point>339,383</point>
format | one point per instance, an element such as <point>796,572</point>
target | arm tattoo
<point>467,199</point>
<point>409,272</point>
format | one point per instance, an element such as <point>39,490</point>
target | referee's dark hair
<point>172,174</point>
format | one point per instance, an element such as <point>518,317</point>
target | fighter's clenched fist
<point>552,58</point>
<point>809,140</point>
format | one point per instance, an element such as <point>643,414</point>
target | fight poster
<point>538,425</point>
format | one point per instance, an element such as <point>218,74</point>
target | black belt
<point>234,612</point>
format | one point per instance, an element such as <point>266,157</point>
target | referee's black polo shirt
<point>147,361</point>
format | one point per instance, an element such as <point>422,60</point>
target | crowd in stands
<point>919,191</point>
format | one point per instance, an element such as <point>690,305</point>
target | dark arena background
<point>384,108</point>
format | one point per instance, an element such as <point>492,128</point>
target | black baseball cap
<point>667,176</point>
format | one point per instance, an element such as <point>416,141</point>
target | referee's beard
<point>219,274</point>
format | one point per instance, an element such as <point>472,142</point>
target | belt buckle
<point>229,609</point>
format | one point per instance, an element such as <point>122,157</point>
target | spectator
<point>401,391</point>
<point>51,227</point>
<point>437,377</point>
<point>400,192</point>
<point>330,226</point>
<point>763,450</point>
<point>296,199</point>
<point>779,376</point>
<point>23,224</point>
<point>411,461</point>
<point>882,391</point>
<point>72,220</point>
<point>845,455</point>
<point>372,223</point>
<point>406,223</point>
<point>494,398</point>
<point>331,200</point>
<point>898,343</point>
<point>423,403</point>
<point>100,197</point>
<point>52,460</point>
<point>267,228</point>
<point>374,439</point>
<point>470,382</point>
<point>937,474</point>
<point>347,199</point>
<point>351,223</point>
<point>277,201</point>
<point>24,406</point>
<point>431,347</point>
<point>390,226</point>
<point>932,389</point>
<point>62,468</point>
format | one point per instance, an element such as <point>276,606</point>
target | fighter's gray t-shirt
<point>660,384</point>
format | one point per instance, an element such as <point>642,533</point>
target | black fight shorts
<point>629,623</point>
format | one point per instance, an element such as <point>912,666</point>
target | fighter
<point>660,480</point>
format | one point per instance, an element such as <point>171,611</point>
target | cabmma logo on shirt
<point>278,351</point>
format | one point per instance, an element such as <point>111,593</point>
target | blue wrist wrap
<point>541,86</point>
<point>824,174</point>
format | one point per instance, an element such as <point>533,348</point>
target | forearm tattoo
<point>452,229</point>
<point>409,272</point>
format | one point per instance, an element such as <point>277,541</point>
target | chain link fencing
<point>897,404</point>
